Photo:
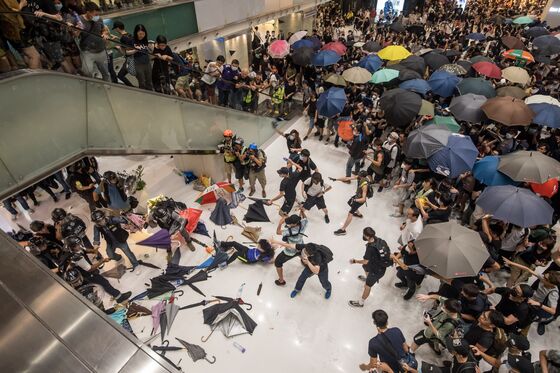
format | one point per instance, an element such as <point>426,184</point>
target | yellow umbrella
<point>427,108</point>
<point>336,80</point>
<point>356,75</point>
<point>516,75</point>
<point>393,53</point>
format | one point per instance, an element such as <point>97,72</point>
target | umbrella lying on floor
<point>221,215</point>
<point>229,317</point>
<point>256,212</point>
<point>196,352</point>
<point>116,272</point>
<point>157,310</point>
<point>158,240</point>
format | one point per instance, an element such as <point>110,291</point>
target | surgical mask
<point>291,137</point>
<point>58,7</point>
<point>233,68</point>
<point>95,18</point>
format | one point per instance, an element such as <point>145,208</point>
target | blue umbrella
<point>371,63</point>
<point>302,43</point>
<point>515,205</point>
<point>316,42</point>
<point>443,83</point>
<point>486,171</point>
<point>476,36</point>
<point>546,114</point>
<point>416,85</point>
<point>331,102</point>
<point>456,157</point>
<point>325,58</point>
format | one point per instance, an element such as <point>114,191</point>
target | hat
<point>118,24</point>
<point>283,171</point>
<point>526,290</point>
<point>458,345</point>
<point>518,341</point>
<point>293,219</point>
<point>520,363</point>
<point>394,135</point>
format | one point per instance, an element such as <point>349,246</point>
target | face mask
<point>95,18</point>
<point>291,137</point>
<point>233,68</point>
<point>58,7</point>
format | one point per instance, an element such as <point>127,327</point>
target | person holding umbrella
<point>287,187</point>
<point>292,232</point>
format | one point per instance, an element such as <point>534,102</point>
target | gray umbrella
<point>435,60</point>
<point>415,63</point>
<point>515,205</point>
<point>529,166</point>
<point>426,140</point>
<point>546,45</point>
<point>451,250</point>
<point>467,107</point>
<point>371,46</point>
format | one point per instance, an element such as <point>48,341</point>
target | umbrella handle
<point>211,361</point>
<point>204,339</point>
<point>179,292</point>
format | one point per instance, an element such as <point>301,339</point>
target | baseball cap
<point>283,171</point>
<point>118,24</point>
<point>520,364</point>
<point>394,135</point>
<point>526,290</point>
<point>518,341</point>
<point>458,345</point>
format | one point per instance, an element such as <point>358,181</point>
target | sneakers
<point>264,194</point>
<point>541,328</point>
<point>409,294</point>
<point>327,220</point>
<point>362,278</point>
<point>68,195</point>
<point>357,214</point>
<point>280,283</point>
<point>251,192</point>
<point>396,215</point>
<point>340,232</point>
<point>356,303</point>
<point>123,297</point>
<point>328,294</point>
<point>380,189</point>
<point>400,285</point>
<point>294,293</point>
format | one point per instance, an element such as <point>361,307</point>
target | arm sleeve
<point>300,246</point>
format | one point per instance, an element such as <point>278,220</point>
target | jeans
<point>8,205</point>
<point>99,59</point>
<point>323,277</point>
<point>122,75</point>
<point>223,97</point>
<point>96,278</point>
<point>60,178</point>
<point>144,76</point>
<point>125,249</point>
<point>352,162</point>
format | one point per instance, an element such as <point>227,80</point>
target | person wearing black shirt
<point>483,332</point>
<point>289,91</point>
<point>293,142</point>
<point>513,305</point>
<point>46,231</point>
<point>409,271</point>
<point>356,201</point>
<point>92,42</point>
<point>287,188</point>
<point>126,39</point>
<point>438,212</point>
<point>473,302</point>
<point>356,150</point>
<point>463,359</point>
<point>312,113</point>
<point>307,165</point>
<point>160,70</point>
<point>538,254</point>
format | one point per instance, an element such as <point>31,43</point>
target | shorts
<point>375,176</point>
<point>228,168</point>
<point>420,339</point>
<point>311,121</point>
<point>354,206</point>
<point>283,258</point>
<point>373,277</point>
<point>287,205</point>
<point>314,201</point>
<point>239,171</point>
<point>320,122</point>
<point>211,90</point>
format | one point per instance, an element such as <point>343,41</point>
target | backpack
<point>345,131</point>
<point>369,192</point>
<point>384,253</point>
<point>326,252</point>
<point>306,186</point>
<point>387,155</point>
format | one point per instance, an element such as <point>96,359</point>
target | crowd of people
<point>472,317</point>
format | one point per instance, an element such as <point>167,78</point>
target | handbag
<point>408,359</point>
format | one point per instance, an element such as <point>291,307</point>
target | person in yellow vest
<point>226,148</point>
<point>278,99</point>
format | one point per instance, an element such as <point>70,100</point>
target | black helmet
<point>37,241</point>
<point>239,141</point>
<point>97,216</point>
<point>73,277</point>
<point>58,214</point>
<point>71,242</point>
<point>160,212</point>
<point>109,175</point>
<point>133,202</point>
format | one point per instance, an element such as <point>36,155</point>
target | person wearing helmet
<point>46,231</point>
<point>82,181</point>
<point>67,224</point>
<point>115,236</point>
<point>241,163</point>
<point>167,218</point>
<point>257,164</point>
<point>226,148</point>
<point>39,247</point>
<point>88,269</point>
<point>110,193</point>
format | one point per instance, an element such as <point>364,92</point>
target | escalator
<point>50,119</point>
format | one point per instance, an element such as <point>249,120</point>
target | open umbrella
<point>512,91</point>
<point>467,65</point>
<point>486,171</point>
<point>448,122</point>
<point>487,69</point>
<point>535,32</point>
<point>116,272</point>
<point>331,102</point>
<point>256,212</point>
<point>303,56</point>
<point>278,49</point>
<point>523,20</point>
<point>325,58</point>
<point>221,214</point>
<point>416,29</point>
<point>400,106</point>
<point>479,58</point>
<point>196,352</point>
<point>215,191</point>
<point>415,63</point>
<point>371,62</point>
<point>384,76</point>
<point>530,166</point>
<point>159,240</point>
<point>450,53</point>
<point>546,45</point>
<point>509,111</point>
<point>371,46</point>
<point>297,36</point>
<point>397,27</point>
<point>476,36</point>
<point>426,140</point>
<point>467,107</point>
<point>394,53</point>
<point>542,99</point>
<point>356,75</point>
<point>302,43</point>
<point>456,157</point>
<point>547,189</point>
<point>229,317</point>
<point>336,47</point>
<point>546,115</point>
<point>336,79</point>
<point>451,250</point>
<point>407,74</point>
<point>478,86</point>
<point>435,60</point>
<point>416,85</point>
<point>511,42</point>
<point>197,277</point>
<point>453,68</point>
<point>515,205</point>
<point>443,83</point>
<point>426,108</point>
<point>519,55</point>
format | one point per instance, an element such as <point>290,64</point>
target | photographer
<point>257,164</point>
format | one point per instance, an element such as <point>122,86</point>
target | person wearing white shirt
<point>411,227</point>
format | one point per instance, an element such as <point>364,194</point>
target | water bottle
<point>239,347</point>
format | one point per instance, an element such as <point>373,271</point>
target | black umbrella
<point>220,256</point>
<point>435,60</point>
<point>450,53</point>
<point>467,65</point>
<point>159,287</point>
<point>176,258</point>
<point>197,277</point>
<point>407,74</point>
<point>229,317</point>
<point>221,215</point>
<point>302,56</point>
<point>400,106</point>
<point>162,355</point>
<point>543,59</point>
<point>371,46</point>
<point>535,32</point>
<point>416,29</point>
<point>256,212</point>
<point>547,45</point>
<point>397,27</point>
<point>175,271</point>
<point>415,63</point>
<point>149,265</point>
<point>195,352</point>
<point>201,303</point>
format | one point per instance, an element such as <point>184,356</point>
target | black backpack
<point>326,253</point>
<point>369,191</point>
<point>384,252</point>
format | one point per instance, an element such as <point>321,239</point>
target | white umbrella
<point>542,99</point>
<point>297,36</point>
<point>358,44</point>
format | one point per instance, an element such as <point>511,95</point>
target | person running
<point>292,232</point>
<point>376,260</point>
<point>363,192</point>
<point>287,188</point>
<point>313,190</point>
<point>263,252</point>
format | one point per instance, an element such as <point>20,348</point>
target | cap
<point>520,364</point>
<point>293,219</point>
<point>118,24</point>
<point>518,341</point>
<point>458,345</point>
<point>283,171</point>
<point>526,290</point>
<point>394,135</point>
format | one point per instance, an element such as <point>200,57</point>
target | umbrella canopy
<point>197,277</point>
<point>371,46</point>
<point>476,59</point>
<point>546,189</point>
<point>230,318</point>
<point>508,110</point>
<point>336,79</point>
<point>393,53</point>
<point>467,65</point>
<point>515,205</point>
<point>511,91</point>
<point>426,108</point>
<point>214,192</point>
<point>516,75</point>
<point>518,54</point>
<point>426,140</point>
<point>448,122</point>
<point>486,171</point>
<point>415,63</point>
<point>279,49</point>
<point>476,36</point>
<point>535,32</point>
<point>546,45</point>
<point>530,166</point>
<point>546,115</point>
<point>511,42</point>
<point>331,102</point>
<point>415,29</point>
<point>416,85</point>
<point>135,310</point>
<point>453,68</point>
<point>397,27</point>
<point>302,43</point>
<point>478,86</point>
<point>451,250</point>
<point>384,76</point>
<point>435,60</point>
<point>542,99</point>
<point>336,47</point>
<point>159,240</point>
<point>316,42</point>
<point>297,36</point>
<point>443,83</point>
<point>400,106</point>
<point>159,286</point>
<point>450,53</point>
<point>171,310</point>
<point>256,212</point>
<point>356,75</point>
<point>157,310</point>
<point>468,107</point>
<point>456,157</point>
<point>371,63</point>
<point>407,74</point>
<point>116,272</point>
<point>523,20</point>
<point>196,352</point>
<point>221,215</point>
<point>303,56</point>
<point>325,58</point>
<point>487,69</point>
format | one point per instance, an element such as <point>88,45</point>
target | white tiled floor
<point>305,334</point>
